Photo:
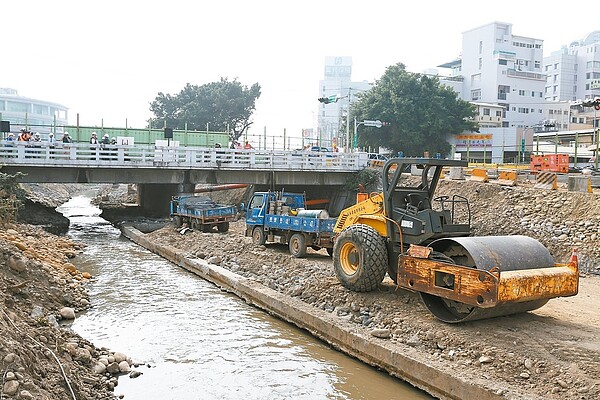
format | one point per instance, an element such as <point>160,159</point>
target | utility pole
<point>348,123</point>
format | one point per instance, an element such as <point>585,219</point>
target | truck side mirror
<point>242,207</point>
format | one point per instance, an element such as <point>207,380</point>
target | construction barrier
<point>508,178</point>
<point>580,184</point>
<point>546,180</point>
<point>479,175</point>
<point>456,173</point>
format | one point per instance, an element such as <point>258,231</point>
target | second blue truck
<point>283,218</point>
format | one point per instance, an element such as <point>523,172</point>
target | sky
<point>107,60</point>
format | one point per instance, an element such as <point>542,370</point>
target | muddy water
<point>197,341</point>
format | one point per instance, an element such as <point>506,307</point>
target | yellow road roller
<point>423,242</point>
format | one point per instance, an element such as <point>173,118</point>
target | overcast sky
<point>107,60</point>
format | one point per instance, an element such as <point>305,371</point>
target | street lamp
<point>376,124</point>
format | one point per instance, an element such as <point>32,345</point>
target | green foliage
<point>224,106</point>
<point>368,178</point>
<point>9,197</point>
<point>422,113</point>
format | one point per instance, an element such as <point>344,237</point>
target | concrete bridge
<point>163,171</point>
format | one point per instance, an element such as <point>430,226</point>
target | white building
<point>35,115</point>
<point>498,67</point>
<point>573,72</point>
<point>337,83</point>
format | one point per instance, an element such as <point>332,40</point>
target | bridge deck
<point>146,156</point>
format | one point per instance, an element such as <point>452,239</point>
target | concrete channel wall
<point>340,334</point>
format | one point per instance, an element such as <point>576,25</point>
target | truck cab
<point>263,203</point>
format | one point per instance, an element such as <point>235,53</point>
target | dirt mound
<point>39,290</point>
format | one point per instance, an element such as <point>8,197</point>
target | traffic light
<point>595,102</point>
<point>330,99</point>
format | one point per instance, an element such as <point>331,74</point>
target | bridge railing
<point>147,156</point>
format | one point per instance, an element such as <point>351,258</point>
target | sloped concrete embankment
<point>338,333</point>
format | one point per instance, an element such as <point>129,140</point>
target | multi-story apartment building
<point>498,67</point>
<point>36,115</point>
<point>332,116</point>
<point>573,74</point>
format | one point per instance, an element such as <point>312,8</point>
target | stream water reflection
<point>200,342</point>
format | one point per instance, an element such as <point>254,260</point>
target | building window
<point>480,62</point>
<point>17,106</point>
<point>502,62</point>
<point>502,91</point>
<point>41,109</point>
<point>537,64</point>
<point>480,47</point>
<point>498,113</point>
<point>486,111</point>
<point>475,94</point>
<point>521,93</point>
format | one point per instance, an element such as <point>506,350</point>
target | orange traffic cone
<point>573,260</point>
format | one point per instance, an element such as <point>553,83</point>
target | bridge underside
<point>34,174</point>
<point>156,186</point>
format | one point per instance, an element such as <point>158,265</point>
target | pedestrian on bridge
<point>66,138</point>
<point>51,141</point>
<point>94,138</point>
<point>104,143</point>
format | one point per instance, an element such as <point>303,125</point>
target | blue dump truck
<point>201,213</point>
<point>283,218</point>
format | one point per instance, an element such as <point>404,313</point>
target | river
<point>196,341</point>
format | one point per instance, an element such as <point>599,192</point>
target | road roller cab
<point>423,243</point>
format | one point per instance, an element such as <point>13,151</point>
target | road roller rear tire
<point>453,312</point>
<point>506,252</point>
<point>360,258</point>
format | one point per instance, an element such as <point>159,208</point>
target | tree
<point>224,105</point>
<point>420,111</point>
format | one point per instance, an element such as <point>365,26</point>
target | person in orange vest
<point>248,146</point>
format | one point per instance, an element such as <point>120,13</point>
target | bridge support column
<point>186,188</point>
<point>154,198</point>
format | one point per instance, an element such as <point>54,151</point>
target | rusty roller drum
<point>507,253</point>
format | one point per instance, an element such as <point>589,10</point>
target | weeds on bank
<point>10,192</point>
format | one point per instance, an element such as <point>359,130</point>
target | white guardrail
<point>147,156</point>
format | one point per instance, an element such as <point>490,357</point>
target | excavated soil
<point>40,293</point>
<point>549,353</point>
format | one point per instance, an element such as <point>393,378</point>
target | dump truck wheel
<point>177,221</point>
<point>297,245</point>
<point>360,258</point>
<point>223,227</point>
<point>258,236</point>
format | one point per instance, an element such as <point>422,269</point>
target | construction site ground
<point>550,353</point>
